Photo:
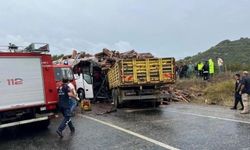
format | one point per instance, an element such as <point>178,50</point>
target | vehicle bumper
<point>37,119</point>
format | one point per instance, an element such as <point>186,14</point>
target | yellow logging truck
<point>140,79</point>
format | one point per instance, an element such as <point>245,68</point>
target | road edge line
<point>132,133</point>
<point>207,116</point>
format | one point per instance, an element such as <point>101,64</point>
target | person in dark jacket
<point>184,70</point>
<point>65,106</point>
<point>245,91</point>
<point>237,96</point>
<point>205,71</point>
<point>196,70</point>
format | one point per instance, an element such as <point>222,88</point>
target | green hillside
<point>236,54</point>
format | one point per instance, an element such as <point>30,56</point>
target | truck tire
<point>157,104</point>
<point>115,97</point>
<point>118,99</point>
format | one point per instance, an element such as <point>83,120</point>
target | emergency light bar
<point>33,47</point>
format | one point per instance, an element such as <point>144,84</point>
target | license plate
<point>42,108</point>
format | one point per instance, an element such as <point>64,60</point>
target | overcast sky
<point>176,28</point>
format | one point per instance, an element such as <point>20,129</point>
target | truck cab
<point>63,71</point>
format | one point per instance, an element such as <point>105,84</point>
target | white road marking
<point>132,133</point>
<point>212,117</point>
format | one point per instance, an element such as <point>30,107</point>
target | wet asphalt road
<point>180,126</point>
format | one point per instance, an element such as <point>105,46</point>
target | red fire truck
<point>27,86</point>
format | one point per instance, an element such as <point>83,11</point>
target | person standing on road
<point>205,70</point>
<point>211,67</point>
<point>176,70</point>
<point>237,96</point>
<point>190,70</point>
<point>245,91</point>
<point>184,70</point>
<point>200,66</point>
<point>64,106</point>
<point>220,64</point>
<point>196,70</point>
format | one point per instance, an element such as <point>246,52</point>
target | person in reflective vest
<point>200,67</point>
<point>211,67</point>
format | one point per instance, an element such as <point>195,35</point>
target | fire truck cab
<point>63,71</point>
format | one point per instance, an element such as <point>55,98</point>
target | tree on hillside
<point>235,54</point>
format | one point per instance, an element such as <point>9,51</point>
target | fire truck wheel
<point>44,124</point>
<point>157,104</point>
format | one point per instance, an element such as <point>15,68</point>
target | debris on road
<point>112,109</point>
<point>178,95</point>
<point>85,105</point>
<point>101,108</point>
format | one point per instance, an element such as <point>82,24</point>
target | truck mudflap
<point>37,119</point>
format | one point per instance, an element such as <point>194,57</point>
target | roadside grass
<point>218,91</point>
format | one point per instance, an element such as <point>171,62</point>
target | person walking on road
<point>237,96</point>
<point>74,99</point>
<point>245,91</point>
<point>64,106</point>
